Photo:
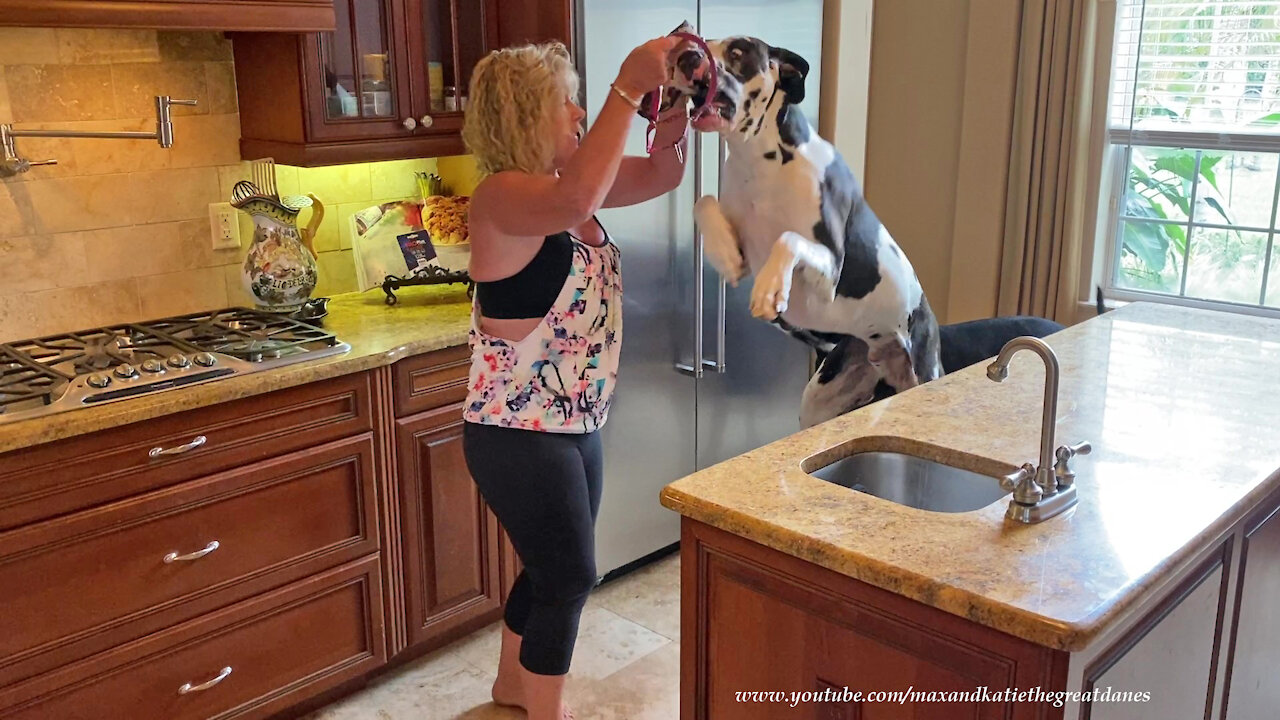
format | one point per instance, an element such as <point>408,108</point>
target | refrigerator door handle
<point>695,369</point>
<point>719,364</point>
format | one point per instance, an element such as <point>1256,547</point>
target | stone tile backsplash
<point>118,231</point>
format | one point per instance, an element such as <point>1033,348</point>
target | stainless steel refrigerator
<point>701,380</point>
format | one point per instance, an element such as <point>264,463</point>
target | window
<point>1194,144</point>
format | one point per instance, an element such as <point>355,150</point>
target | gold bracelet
<point>630,101</point>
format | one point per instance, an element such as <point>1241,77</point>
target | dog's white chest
<point>762,199</point>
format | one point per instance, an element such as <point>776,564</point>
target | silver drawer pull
<point>175,557</point>
<point>189,688</point>
<point>161,452</point>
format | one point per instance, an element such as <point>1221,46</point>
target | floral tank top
<point>560,377</point>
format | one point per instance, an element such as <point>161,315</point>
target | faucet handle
<point>1062,471</point>
<point>1023,485</point>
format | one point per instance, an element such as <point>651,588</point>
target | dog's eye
<point>735,53</point>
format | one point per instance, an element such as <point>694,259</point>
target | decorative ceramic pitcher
<point>280,269</point>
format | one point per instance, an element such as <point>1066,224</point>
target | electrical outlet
<point>225,226</point>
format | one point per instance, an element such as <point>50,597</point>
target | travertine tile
<point>337,273</point>
<point>206,141</point>
<point>177,194</point>
<point>649,597</point>
<point>396,179</point>
<point>459,172</point>
<point>90,156</point>
<point>138,84</point>
<point>328,235</point>
<point>133,251</point>
<point>84,203</point>
<point>23,45</point>
<point>17,216</point>
<point>195,237</point>
<point>220,81</point>
<point>607,642</point>
<point>182,292</point>
<point>6,112</point>
<point>63,309</point>
<point>78,46</point>
<point>342,217</point>
<point>182,45</point>
<point>228,176</point>
<point>439,686</point>
<point>337,183</point>
<point>30,264</point>
<point>287,180</point>
<point>233,282</point>
<point>647,689</point>
<point>57,93</point>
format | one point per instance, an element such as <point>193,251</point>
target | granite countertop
<point>425,319</point>
<point>1180,405</point>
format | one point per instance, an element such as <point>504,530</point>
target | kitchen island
<point>1161,580</point>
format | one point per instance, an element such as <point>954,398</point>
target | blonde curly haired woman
<point>547,327</point>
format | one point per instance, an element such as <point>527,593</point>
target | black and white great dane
<point>824,268</point>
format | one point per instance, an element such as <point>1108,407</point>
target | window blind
<point>1184,66</point>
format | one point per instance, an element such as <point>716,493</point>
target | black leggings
<point>545,490</point>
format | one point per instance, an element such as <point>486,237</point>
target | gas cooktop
<point>90,367</point>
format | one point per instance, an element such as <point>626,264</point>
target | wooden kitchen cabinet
<point>452,569</point>
<point>245,15</point>
<point>1252,690</point>
<point>754,619</point>
<point>379,86</point>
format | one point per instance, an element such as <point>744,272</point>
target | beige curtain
<point>1049,190</point>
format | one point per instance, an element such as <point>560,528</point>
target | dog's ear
<point>792,70</point>
<point>670,97</point>
<point>684,27</point>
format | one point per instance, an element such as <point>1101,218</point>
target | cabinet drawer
<point>77,473</point>
<point>426,382</point>
<point>98,578</point>
<point>282,648</point>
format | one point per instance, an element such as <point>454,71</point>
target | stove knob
<point>178,361</point>
<point>205,359</point>
<point>153,366</point>
<point>98,380</point>
<point>126,371</point>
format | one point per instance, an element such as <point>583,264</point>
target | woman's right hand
<point>648,66</point>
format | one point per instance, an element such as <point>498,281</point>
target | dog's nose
<point>691,63</point>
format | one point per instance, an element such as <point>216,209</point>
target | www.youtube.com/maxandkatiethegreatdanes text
<point>982,694</point>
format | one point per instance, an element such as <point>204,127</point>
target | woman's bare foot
<point>507,688</point>
<point>543,696</point>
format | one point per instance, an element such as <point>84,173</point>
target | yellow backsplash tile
<point>220,83</point>
<point>54,93</point>
<point>83,203</point>
<point>78,46</point>
<point>237,296</point>
<point>337,183</point>
<point>21,45</point>
<point>137,84</point>
<point>337,273</point>
<point>328,235</point>
<point>182,292</point>
<point>177,194</point>
<point>41,262</point>
<point>396,178</point>
<point>459,173</point>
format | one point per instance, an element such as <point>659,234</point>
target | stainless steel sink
<point>913,481</point>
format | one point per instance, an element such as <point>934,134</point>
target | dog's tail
<point>1098,303</point>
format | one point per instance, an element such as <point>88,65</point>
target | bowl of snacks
<point>445,218</point>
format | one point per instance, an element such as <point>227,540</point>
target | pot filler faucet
<point>11,163</point>
<point>1040,492</point>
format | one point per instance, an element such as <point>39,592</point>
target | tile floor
<point>626,663</point>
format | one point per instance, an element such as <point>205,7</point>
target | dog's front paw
<point>771,292</point>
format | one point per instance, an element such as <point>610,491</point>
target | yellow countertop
<point>1181,407</point>
<point>425,319</point>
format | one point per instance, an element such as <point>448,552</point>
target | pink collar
<point>712,83</point>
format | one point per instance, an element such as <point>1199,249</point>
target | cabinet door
<point>447,39</point>
<point>451,540</point>
<point>1252,687</point>
<point>359,77</point>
